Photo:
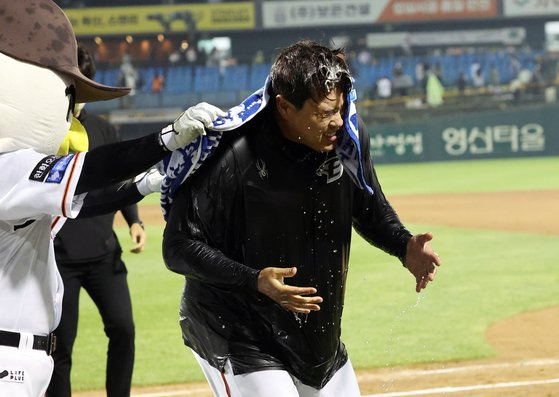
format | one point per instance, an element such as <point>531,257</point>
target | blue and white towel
<point>183,162</point>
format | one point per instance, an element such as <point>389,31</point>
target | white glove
<point>149,181</point>
<point>189,125</point>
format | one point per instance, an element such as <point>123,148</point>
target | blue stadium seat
<point>235,78</point>
<point>179,80</point>
<point>258,74</point>
<point>111,77</point>
<point>365,76</point>
<point>206,79</point>
<point>146,76</point>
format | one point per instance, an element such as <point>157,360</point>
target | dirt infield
<point>528,344</point>
<point>522,211</point>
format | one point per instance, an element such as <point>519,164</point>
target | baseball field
<point>487,326</point>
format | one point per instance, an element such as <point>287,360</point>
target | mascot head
<point>40,81</point>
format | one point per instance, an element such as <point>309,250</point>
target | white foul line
<point>451,389</point>
<point>423,372</point>
<point>439,390</point>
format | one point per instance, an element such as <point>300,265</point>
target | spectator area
<point>227,86</point>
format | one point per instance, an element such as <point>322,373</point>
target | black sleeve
<point>116,162</point>
<point>374,218</point>
<point>110,199</point>
<point>130,214</point>
<point>202,227</point>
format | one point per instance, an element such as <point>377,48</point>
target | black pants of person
<point>105,281</point>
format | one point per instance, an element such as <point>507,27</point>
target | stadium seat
<point>146,76</point>
<point>258,74</point>
<point>179,80</point>
<point>206,79</point>
<point>235,78</point>
<point>111,77</point>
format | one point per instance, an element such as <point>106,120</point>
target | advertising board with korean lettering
<point>162,19</point>
<point>524,8</point>
<point>494,134</point>
<point>426,10</point>
<point>281,14</point>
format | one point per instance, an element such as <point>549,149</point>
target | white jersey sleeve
<point>33,184</point>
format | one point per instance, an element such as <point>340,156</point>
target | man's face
<point>315,124</point>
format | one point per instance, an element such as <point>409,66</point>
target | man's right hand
<point>270,283</point>
<point>189,125</point>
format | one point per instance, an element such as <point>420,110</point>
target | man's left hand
<point>138,236</point>
<point>421,260</point>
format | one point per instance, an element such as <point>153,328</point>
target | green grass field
<point>486,276</point>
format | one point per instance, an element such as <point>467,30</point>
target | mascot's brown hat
<point>38,32</point>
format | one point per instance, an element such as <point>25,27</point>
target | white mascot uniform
<point>35,185</point>
<point>39,84</point>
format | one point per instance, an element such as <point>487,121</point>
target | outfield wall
<point>521,132</point>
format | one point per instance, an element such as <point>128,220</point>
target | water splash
<point>394,338</point>
<point>301,318</point>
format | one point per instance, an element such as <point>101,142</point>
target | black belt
<point>45,343</point>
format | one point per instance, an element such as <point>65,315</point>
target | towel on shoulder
<point>183,162</point>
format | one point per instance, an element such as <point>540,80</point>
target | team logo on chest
<point>332,169</point>
<point>262,170</point>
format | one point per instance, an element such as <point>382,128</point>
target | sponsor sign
<point>280,14</point>
<point>495,134</point>
<point>522,8</point>
<point>506,36</point>
<point>162,19</point>
<point>425,10</point>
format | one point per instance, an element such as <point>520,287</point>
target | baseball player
<point>39,84</point>
<point>262,233</point>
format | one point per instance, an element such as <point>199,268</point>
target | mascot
<point>40,187</point>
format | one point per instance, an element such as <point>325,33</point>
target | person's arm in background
<point>137,233</point>
<point>114,197</point>
<point>377,222</point>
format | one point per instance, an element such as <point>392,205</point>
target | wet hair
<point>86,62</point>
<point>306,70</point>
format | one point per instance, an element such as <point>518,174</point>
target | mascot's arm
<point>113,163</point>
<point>116,162</point>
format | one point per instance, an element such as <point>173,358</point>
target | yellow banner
<point>162,19</point>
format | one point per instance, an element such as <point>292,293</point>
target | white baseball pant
<point>24,372</point>
<point>276,383</point>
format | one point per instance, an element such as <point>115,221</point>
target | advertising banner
<point>505,36</point>
<point>495,134</point>
<point>280,14</point>
<point>522,8</point>
<point>428,10</point>
<point>162,19</point>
